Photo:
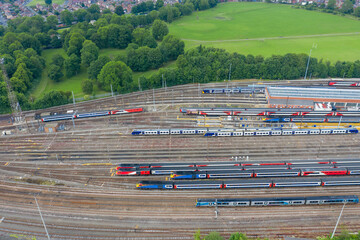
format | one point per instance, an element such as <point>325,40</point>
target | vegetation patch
<point>39,181</point>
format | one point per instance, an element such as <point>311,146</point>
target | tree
<point>48,2</point>
<point>2,30</point>
<point>159,4</point>
<point>331,4</point>
<point>214,236</point>
<point>171,47</point>
<point>89,52</point>
<point>159,29</point>
<point>66,17</point>
<point>58,60</point>
<point>43,38</point>
<point>119,10</point>
<point>72,65</point>
<point>116,74</point>
<point>142,37</point>
<point>18,85</point>
<point>52,21</point>
<point>357,12</point>
<point>53,98</point>
<point>204,4</point>
<point>347,7</point>
<point>155,58</point>
<point>87,86</point>
<point>55,73</point>
<point>96,66</point>
<point>80,14</point>
<point>23,74</point>
<point>75,44</point>
<point>238,236</point>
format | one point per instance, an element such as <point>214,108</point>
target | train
<point>189,131</point>
<point>133,166</point>
<point>283,164</point>
<point>277,201</point>
<point>259,173</point>
<point>280,132</point>
<point>249,183</point>
<point>89,114</point>
<point>274,112</point>
<point>244,90</point>
<point>343,84</point>
<point>315,119</point>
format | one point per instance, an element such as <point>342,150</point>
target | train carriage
<point>235,202</point>
<point>198,185</point>
<point>251,183</point>
<point>323,171</point>
<point>332,199</point>
<point>297,182</point>
<point>155,185</point>
<point>58,117</point>
<point>348,181</point>
<point>277,201</point>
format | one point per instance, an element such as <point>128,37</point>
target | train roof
<point>331,197</point>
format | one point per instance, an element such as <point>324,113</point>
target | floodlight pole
<point>73,97</point>
<point>338,221</point>
<point>307,65</point>
<point>42,219</point>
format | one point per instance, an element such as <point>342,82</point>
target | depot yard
<point>260,28</point>
<point>72,174</point>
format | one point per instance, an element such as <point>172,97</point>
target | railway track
<point>89,203</point>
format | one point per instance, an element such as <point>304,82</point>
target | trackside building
<point>301,96</point>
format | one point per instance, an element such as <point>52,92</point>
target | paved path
<point>274,38</point>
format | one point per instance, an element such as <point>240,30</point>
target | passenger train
<point>343,84</point>
<point>282,164</point>
<point>244,90</point>
<point>275,112</point>
<point>249,183</point>
<point>278,132</point>
<point>89,114</point>
<point>315,119</point>
<point>281,201</point>
<point>263,172</point>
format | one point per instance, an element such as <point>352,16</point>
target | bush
<point>87,86</point>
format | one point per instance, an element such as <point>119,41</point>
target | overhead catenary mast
<point>14,103</point>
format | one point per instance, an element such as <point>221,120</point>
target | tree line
<point>348,7</point>
<point>208,64</point>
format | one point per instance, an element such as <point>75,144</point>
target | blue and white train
<point>60,117</point>
<point>190,131</point>
<point>244,90</point>
<point>283,201</point>
<point>279,132</point>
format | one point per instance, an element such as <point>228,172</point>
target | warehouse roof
<point>313,93</point>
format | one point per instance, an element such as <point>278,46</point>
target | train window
<point>312,201</point>
<point>297,202</point>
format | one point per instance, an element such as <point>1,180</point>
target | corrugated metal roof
<point>324,93</point>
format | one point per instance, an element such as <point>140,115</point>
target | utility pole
<point>73,97</point>
<point>14,103</point>
<point>139,84</point>
<point>42,219</point>
<point>307,65</point>
<point>154,99</point>
<point>332,235</point>
<point>112,93</point>
<point>230,72</point>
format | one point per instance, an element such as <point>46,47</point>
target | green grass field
<point>267,29</point>
<point>42,2</point>
<point>44,84</point>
